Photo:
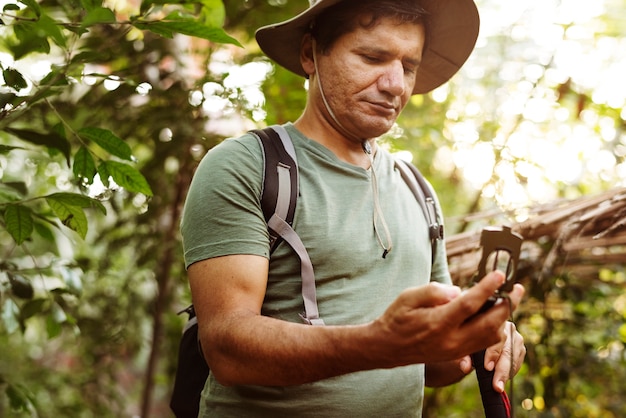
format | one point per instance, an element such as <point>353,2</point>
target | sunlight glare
<point>601,162</point>
<point>477,163</point>
<point>464,132</point>
<point>195,98</point>
<point>143,89</point>
<point>112,82</point>
<point>443,160</point>
<point>440,94</point>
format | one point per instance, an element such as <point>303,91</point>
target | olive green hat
<point>453,29</point>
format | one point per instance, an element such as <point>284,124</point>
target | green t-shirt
<point>335,220</point>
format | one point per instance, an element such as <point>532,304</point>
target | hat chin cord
<point>378,214</point>
<point>339,125</point>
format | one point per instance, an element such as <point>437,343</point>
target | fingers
<point>472,299</point>
<point>502,360</point>
<point>487,328</point>
<point>433,294</point>
<point>516,295</point>
<point>466,365</point>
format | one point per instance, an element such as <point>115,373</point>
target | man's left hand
<point>498,357</point>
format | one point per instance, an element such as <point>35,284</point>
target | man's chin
<point>374,130</point>
<point>370,126</point>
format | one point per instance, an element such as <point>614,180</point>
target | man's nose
<point>392,80</point>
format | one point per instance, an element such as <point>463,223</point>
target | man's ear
<point>307,57</point>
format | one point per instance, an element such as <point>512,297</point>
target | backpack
<point>278,200</point>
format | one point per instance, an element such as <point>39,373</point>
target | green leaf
<point>17,186</point>
<point>18,221</point>
<point>108,141</point>
<point>188,27</point>
<point>68,207</point>
<point>5,149</point>
<point>33,307</point>
<point>71,216</point>
<point>126,176</point>
<point>86,57</point>
<point>10,313</point>
<point>21,287</point>
<point>156,28</point>
<point>8,194</point>
<point>11,8</point>
<point>104,174</point>
<point>32,4</point>
<point>29,40</point>
<point>98,15</point>
<point>78,200</point>
<point>50,140</point>
<point>213,13</point>
<point>53,326</point>
<point>14,79</point>
<point>45,232</point>
<point>90,4</point>
<point>19,401</point>
<point>84,166</point>
<point>7,98</point>
<point>48,27</point>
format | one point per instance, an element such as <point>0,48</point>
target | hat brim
<point>453,30</point>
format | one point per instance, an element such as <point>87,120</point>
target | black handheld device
<point>500,251</point>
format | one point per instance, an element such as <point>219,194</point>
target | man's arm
<point>423,325</point>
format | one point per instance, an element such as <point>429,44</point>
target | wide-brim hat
<point>453,29</point>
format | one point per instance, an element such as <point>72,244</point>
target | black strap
<point>425,197</point>
<point>276,156</point>
<point>278,201</point>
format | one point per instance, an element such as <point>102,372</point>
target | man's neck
<point>346,149</point>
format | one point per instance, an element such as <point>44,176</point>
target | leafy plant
<point>69,163</point>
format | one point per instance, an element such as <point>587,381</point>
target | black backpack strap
<point>280,179</point>
<point>278,201</point>
<point>424,195</point>
<point>191,371</point>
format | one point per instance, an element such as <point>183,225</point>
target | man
<point>392,323</point>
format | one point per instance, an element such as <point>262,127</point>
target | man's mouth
<point>384,107</point>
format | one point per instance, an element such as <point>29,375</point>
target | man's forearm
<point>266,351</point>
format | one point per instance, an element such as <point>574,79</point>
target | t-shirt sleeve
<point>222,214</point>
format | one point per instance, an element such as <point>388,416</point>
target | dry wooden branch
<point>579,236</point>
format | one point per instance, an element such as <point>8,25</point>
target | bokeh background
<point>106,107</point>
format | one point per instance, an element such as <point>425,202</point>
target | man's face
<point>368,75</point>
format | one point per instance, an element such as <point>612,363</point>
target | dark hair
<point>345,16</point>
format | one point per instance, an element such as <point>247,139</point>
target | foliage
<point>515,95</point>
<point>79,133</point>
<point>107,107</point>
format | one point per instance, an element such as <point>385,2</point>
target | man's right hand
<point>437,322</point>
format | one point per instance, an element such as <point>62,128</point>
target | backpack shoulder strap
<point>425,197</point>
<point>278,201</point>
<point>279,190</point>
